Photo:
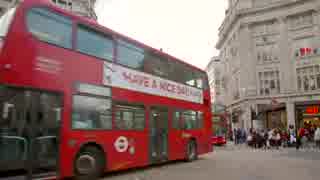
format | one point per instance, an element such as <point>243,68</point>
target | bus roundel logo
<point>121,144</point>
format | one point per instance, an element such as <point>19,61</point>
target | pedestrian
<point>317,137</point>
<point>311,133</point>
<point>292,130</point>
<point>302,137</point>
<point>278,138</point>
<point>243,135</point>
<point>230,134</point>
<point>265,139</point>
<point>269,141</point>
<point>235,136</point>
<point>238,133</point>
<point>284,138</point>
<point>250,138</point>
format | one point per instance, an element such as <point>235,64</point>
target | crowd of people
<point>269,138</point>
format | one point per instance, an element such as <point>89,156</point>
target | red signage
<point>305,51</point>
<point>312,110</point>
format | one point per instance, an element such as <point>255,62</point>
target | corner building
<point>80,7</point>
<point>6,4</point>
<point>271,49</point>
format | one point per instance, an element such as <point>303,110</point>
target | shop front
<point>273,116</point>
<point>277,119</point>
<point>308,114</point>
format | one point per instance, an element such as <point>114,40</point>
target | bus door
<point>29,132</point>
<point>159,134</point>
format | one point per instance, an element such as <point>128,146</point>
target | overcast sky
<point>187,29</point>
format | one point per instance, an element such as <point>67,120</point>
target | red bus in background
<point>220,129</point>
<point>78,99</point>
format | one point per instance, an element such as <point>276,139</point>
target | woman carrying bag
<point>317,137</point>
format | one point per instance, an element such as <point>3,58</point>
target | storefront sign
<point>118,76</point>
<point>312,110</point>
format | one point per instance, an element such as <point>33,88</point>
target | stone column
<point>246,116</point>
<point>247,60</point>
<point>290,108</point>
<point>287,75</point>
<point>316,21</point>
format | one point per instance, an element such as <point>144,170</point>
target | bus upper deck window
<point>50,27</point>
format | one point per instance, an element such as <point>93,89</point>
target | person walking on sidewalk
<point>317,137</point>
<point>278,138</point>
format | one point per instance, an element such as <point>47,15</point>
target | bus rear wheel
<point>89,164</point>
<point>192,153</point>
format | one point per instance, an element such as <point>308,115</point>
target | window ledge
<point>266,34</point>
<point>297,28</point>
<point>268,62</point>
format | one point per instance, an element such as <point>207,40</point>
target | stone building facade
<point>80,7</point>
<point>221,118</point>
<point>5,4</point>
<point>271,52</point>
<point>215,70</point>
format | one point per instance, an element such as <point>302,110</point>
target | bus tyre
<point>191,151</point>
<point>89,164</point>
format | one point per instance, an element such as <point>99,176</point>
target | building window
<point>308,78</point>
<point>264,28</point>
<point>269,82</point>
<point>91,113</point>
<point>63,4</point>
<point>301,20</point>
<point>50,27</point>
<point>94,43</point>
<point>129,116</point>
<point>233,51</point>
<point>267,53</point>
<point>259,3</point>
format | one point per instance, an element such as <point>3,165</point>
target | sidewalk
<point>230,146</point>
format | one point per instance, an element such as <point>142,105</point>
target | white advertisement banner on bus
<point>118,76</point>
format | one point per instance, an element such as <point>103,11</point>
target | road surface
<point>234,164</point>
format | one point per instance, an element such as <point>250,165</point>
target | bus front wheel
<point>89,164</point>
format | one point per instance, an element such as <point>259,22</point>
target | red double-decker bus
<point>78,99</point>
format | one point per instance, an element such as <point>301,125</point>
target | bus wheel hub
<point>85,164</point>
